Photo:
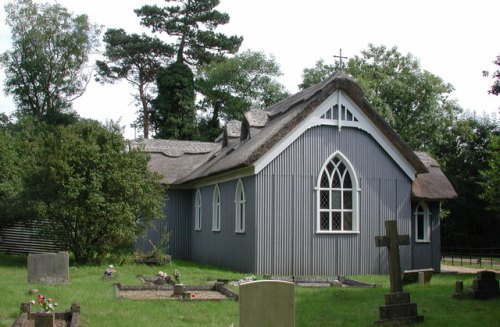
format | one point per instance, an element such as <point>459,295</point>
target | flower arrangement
<point>108,273</point>
<point>163,275</point>
<point>177,275</point>
<point>47,304</point>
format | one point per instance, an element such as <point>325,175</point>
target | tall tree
<point>194,45</point>
<point>464,156</point>
<point>137,59</point>
<point>174,114</point>
<point>191,24</point>
<point>414,101</point>
<point>234,85</point>
<point>45,71</point>
<point>495,88</point>
<point>491,175</point>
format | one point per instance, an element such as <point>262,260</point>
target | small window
<point>216,209</point>
<point>197,210</point>
<point>239,200</point>
<point>422,223</point>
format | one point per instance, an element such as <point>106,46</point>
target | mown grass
<point>314,307</point>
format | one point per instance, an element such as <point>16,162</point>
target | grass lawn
<point>314,307</point>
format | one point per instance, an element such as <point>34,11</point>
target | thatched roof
<point>433,185</point>
<point>243,143</point>
<point>283,117</point>
<point>173,159</point>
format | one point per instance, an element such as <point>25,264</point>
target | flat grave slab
<point>215,292</point>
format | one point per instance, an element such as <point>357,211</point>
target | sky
<point>455,40</point>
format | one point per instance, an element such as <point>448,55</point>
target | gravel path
<point>463,269</point>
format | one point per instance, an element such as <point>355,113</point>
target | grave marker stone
<point>267,303</point>
<point>397,308</point>
<point>48,268</point>
<point>485,286</point>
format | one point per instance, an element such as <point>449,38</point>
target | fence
<point>472,256</point>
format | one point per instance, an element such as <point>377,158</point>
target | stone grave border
<point>320,282</point>
<point>217,287</point>
<point>72,316</point>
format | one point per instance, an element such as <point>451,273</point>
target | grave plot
<point>325,281</point>
<point>212,292</point>
<point>27,318</point>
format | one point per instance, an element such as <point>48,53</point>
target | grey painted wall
<point>428,255</point>
<point>178,221</point>
<point>286,239</point>
<point>225,248</point>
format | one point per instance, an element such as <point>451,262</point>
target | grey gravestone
<point>397,308</point>
<point>267,303</point>
<point>486,285</point>
<point>48,268</point>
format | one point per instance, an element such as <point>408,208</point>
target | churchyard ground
<point>314,307</point>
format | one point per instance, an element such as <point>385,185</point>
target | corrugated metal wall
<point>178,219</point>
<point>286,239</point>
<point>428,255</point>
<point>225,248</point>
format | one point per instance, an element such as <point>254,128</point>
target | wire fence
<point>472,257</point>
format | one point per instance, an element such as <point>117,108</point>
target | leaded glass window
<point>337,196</point>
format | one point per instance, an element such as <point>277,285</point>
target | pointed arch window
<point>216,205</point>
<point>422,223</point>
<point>337,197</point>
<point>239,200</point>
<point>197,210</point>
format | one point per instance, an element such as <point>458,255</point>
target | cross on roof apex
<point>340,59</point>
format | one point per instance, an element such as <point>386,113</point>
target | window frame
<point>355,196</point>
<point>197,210</point>
<point>240,208</point>
<point>426,221</point>
<point>216,209</point>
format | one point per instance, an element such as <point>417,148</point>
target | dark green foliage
<point>491,175</point>
<point>174,115</point>
<point>235,85</point>
<point>137,59</point>
<point>464,156</point>
<point>495,88</point>
<point>45,71</point>
<point>193,25</point>
<point>413,101</point>
<point>96,195</point>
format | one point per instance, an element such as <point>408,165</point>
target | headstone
<point>397,308</point>
<point>179,289</point>
<point>267,303</point>
<point>44,319</point>
<point>459,288</point>
<point>486,285</point>
<point>48,268</point>
<point>422,276</point>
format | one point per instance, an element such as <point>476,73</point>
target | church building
<point>300,188</point>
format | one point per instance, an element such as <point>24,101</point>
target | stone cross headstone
<point>392,241</point>
<point>267,303</point>
<point>398,307</point>
<point>48,268</point>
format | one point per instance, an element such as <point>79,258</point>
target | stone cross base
<point>398,308</point>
